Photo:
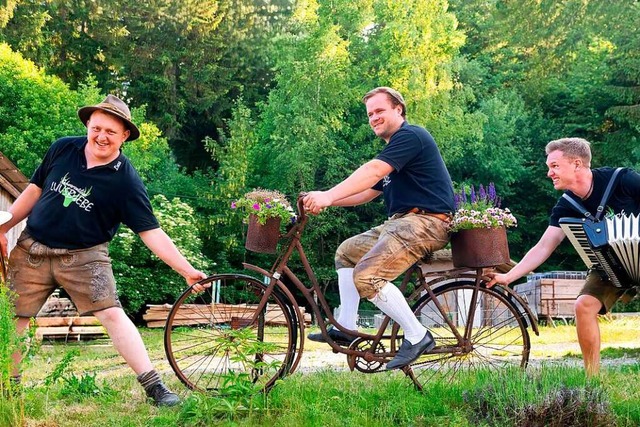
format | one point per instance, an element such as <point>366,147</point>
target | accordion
<point>611,246</point>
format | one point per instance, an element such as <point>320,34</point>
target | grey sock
<point>149,379</point>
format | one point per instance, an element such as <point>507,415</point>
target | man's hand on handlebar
<point>315,202</point>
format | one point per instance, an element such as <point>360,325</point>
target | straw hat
<point>115,106</point>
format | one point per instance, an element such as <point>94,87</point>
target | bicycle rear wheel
<point>215,337</point>
<point>496,332</point>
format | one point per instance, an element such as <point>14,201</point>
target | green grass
<point>331,398</point>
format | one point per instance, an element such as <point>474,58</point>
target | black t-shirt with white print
<point>420,178</point>
<point>79,207</point>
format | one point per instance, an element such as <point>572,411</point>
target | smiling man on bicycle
<point>418,195</point>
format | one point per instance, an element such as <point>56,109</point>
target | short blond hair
<point>573,148</point>
<point>394,97</point>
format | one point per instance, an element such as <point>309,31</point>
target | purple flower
<point>482,195</point>
<point>256,206</point>
<point>233,205</point>
<point>492,193</point>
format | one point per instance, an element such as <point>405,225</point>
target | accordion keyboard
<point>574,229</point>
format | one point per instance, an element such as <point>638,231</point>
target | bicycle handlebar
<point>302,214</point>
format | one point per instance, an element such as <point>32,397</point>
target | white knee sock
<point>391,301</point>
<point>349,299</point>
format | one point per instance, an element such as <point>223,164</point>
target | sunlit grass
<point>561,340</point>
<point>342,398</point>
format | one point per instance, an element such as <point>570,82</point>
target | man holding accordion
<point>598,212</point>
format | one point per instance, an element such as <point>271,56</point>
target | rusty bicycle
<point>250,324</point>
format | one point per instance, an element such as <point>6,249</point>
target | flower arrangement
<point>480,209</point>
<point>265,204</point>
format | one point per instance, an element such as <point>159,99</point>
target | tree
<point>35,110</point>
<point>187,61</point>
<point>6,11</point>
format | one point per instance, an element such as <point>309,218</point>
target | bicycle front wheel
<point>491,332</point>
<point>215,338</point>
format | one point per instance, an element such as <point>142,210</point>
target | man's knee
<point>342,260</point>
<point>587,306</point>
<point>366,284</point>
<point>111,316</point>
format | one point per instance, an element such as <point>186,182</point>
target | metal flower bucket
<point>480,247</point>
<point>263,238</point>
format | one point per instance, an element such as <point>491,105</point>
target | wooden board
<point>203,314</point>
<point>67,321</point>
<point>70,333</point>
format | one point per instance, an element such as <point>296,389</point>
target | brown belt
<point>441,216</point>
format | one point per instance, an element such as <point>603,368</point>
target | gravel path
<point>321,359</point>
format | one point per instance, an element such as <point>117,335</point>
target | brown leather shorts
<point>605,292</point>
<point>36,270</point>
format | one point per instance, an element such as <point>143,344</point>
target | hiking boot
<point>335,334</point>
<point>162,396</point>
<point>408,352</point>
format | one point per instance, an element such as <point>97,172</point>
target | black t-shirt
<point>624,198</point>
<point>420,178</point>
<point>80,207</point>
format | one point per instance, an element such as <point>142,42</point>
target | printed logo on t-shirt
<point>386,181</point>
<point>72,193</point>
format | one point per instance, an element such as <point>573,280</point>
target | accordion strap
<point>605,197</point>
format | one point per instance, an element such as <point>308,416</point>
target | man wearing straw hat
<point>77,198</point>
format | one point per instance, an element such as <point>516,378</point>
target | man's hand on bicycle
<point>198,287</point>
<point>316,201</point>
<point>497,278</point>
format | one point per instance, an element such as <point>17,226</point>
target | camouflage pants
<point>386,251</point>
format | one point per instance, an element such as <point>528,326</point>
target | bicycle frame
<point>321,309</point>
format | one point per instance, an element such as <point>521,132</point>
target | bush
<point>141,276</point>
<point>12,407</point>
<point>510,399</point>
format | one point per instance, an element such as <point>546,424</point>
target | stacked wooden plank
<point>552,295</point>
<point>69,328</point>
<point>205,314</point>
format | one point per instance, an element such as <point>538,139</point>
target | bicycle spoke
<point>496,331</point>
<point>216,334</point>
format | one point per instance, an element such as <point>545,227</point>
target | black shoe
<point>335,334</point>
<point>408,352</point>
<point>162,396</point>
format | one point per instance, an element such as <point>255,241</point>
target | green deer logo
<point>72,195</point>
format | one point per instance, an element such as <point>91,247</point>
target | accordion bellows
<point>610,246</point>
<point>623,235</point>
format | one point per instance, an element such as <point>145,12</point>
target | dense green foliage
<point>267,94</point>
<point>142,277</point>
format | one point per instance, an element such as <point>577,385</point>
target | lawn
<point>87,384</point>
